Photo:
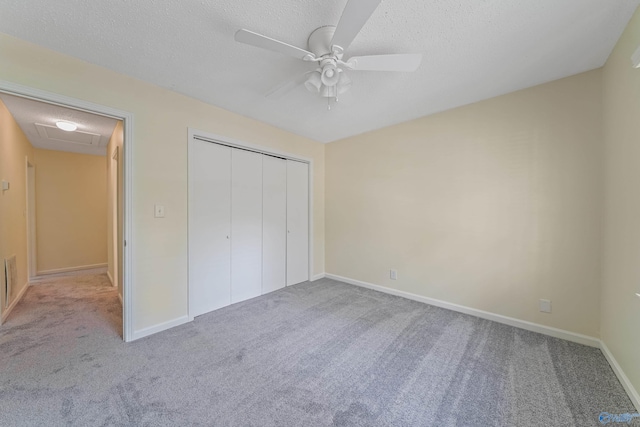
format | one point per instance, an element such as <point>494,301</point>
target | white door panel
<point>209,227</point>
<point>246,225</point>
<point>297,222</point>
<point>274,223</point>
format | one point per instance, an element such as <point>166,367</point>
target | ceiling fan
<point>327,46</point>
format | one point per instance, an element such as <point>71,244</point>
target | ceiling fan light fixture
<point>344,83</point>
<point>314,82</point>
<point>330,75</point>
<point>340,83</point>
<point>327,45</point>
<point>327,91</point>
<point>66,126</point>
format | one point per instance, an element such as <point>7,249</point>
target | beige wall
<point>621,266</point>
<point>14,149</point>
<point>115,180</point>
<point>160,164</point>
<point>71,210</point>
<point>493,206</point>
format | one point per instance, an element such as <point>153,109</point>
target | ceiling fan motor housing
<point>320,41</point>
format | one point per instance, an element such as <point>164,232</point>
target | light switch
<point>545,306</point>
<point>635,58</point>
<point>159,211</point>
<point>5,185</point>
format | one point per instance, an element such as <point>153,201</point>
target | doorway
<point>122,234</point>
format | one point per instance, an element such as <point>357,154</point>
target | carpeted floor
<point>315,354</point>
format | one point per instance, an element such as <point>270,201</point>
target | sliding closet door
<point>274,223</point>
<point>246,225</point>
<point>209,227</point>
<point>297,222</point>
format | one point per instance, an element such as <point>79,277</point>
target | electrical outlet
<point>393,274</point>
<point>545,306</point>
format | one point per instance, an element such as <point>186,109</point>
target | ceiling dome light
<point>68,126</point>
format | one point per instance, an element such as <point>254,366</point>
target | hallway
<point>55,341</point>
<point>84,304</point>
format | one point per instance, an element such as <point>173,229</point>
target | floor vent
<point>10,278</point>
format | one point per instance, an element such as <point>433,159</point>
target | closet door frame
<point>195,134</point>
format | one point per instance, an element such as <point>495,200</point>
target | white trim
<point>145,332</point>
<point>193,133</point>
<point>622,377</point>
<point>241,144</point>
<point>110,278</point>
<point>317,277</point>
<point>127,154</point>
<point>38,279</point>
<point>120,298</point>
<point>310,219</point>
<point>69,269</point>
<point>7,311</point>
<point>522,324</point>
<point>31,220</point>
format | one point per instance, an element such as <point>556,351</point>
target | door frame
<point>32,253</point>
<point>115,210</point>
<point>127,158</point>
<point>231,142</point>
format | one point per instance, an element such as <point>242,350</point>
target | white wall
<point>160,164</point>
<point>621,254</point>
<point>493,206</point>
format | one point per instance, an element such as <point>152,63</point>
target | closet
<point>248,224</point>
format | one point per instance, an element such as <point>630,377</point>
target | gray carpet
<point>315,354</point>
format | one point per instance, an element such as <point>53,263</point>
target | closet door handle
<point>227,237</point>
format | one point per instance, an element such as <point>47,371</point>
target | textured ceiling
<point>29,113</point>
<point>473,50</point>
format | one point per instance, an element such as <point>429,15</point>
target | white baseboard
<point>110,278</point>
<point>318,277</point>
<point>529,326</point>
<point>7,311</point>
<point>522,324</point>
<point>159,328</point>
<point>120,298</point>
<point>622,377</point>
<point>70,269</point>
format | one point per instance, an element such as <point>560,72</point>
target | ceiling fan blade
<point>264,42</point>
<point>285,87</point>
<point>355,14</point>
<point>393,62</point>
